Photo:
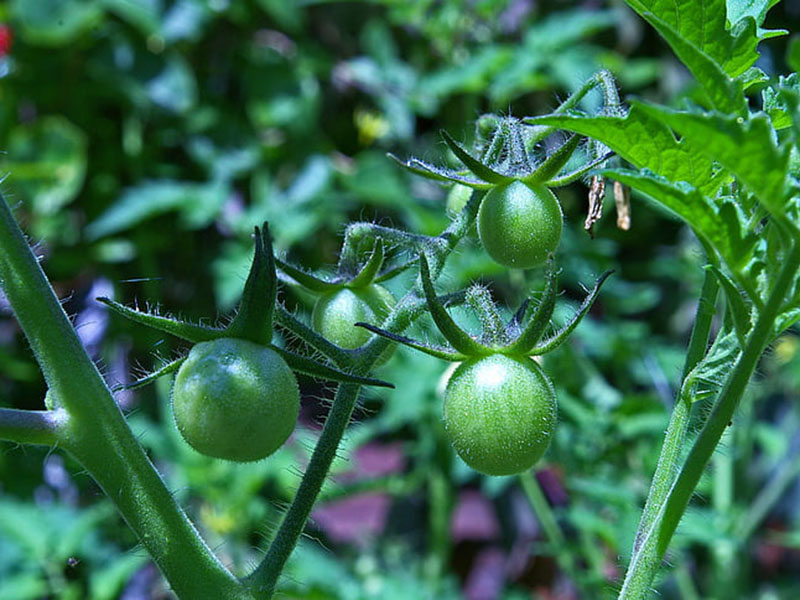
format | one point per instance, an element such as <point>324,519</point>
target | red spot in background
<point>6,39</point>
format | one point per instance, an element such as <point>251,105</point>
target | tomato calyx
<point>352,294</point>
<point>253,322</point>
<point>520,336</point>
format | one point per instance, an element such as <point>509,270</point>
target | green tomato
<point>519,225</point>
<point>500,413</point>
<point>235,399</point>
<point>335,313</point>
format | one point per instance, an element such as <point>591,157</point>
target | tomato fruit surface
<point>499,413</point>
<point>520,225</point>
<point>336,312</point>
<point>235,399</point>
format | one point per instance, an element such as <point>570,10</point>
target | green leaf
<point>55,22</point>
<point>198,204</point>
<point>739,10</point>
<point>724,93</point>
<point>47,161</point>
<point>746,147</point>
<point>704,25</point>
<point>774,102</point>
<point>720,228</point>
<point>708,375</point>
<point>175,88</point>
<point>644,142</point>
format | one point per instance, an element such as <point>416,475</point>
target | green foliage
<point>197,121</point>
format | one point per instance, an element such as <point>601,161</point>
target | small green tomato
<point>500,413</point>
<point>519,225</point>
<point>235,399</point>
<point>335,313</point>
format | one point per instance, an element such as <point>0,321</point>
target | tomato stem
<point>96,433</point>
<point>667,514</point>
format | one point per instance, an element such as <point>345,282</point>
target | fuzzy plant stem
<point>31,426</point>
<point>668,461</point>
<point>92,428</point>
<point>647,558</point>
<point>263,580</point>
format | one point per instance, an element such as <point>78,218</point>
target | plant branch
<point>679,422</point>
<point>644,563</point>
<point>31,426</point>
<point>96,433</point>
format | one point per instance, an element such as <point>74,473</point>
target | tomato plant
<point>519,224</point>
<point>235,399</point>
<point>730,173</point>
<point>499,413</point>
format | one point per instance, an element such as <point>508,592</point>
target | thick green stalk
<point>667,467</point>
<point>645,563</point>
<point>264,579</point>
<point>31,426</point>
<point>96,433</point>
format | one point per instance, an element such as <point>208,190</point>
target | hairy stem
<point>96,433</point>
<point>645,562</point>
<point>667,467</point>
<point>264,579</point>
<point>31,426</point>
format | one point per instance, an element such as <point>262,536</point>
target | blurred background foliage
<point>142,141</point>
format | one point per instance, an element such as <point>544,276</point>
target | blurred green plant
<point>216,116</point>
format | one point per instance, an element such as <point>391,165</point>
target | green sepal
<point>419,167</point>
<point>553,164</point>
<point>370,269</point>
<point>458,338</point>
<point>253,320</point>
<point>186,331</point>
<point>560,337</point>
<point>436,351</point>
<point>395,271</point>
<point>307,280</point>
<point>318,342</point>
<point>308,366</point>
<point>573,176</point>
<point>170,367</point>
<point>473,164</point>
<point>737,308</point>
<point>542,314</point>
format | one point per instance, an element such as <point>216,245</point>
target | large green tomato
<point>519,225</point>
<point>500,413</point>
<point>235,399</point>
<point>335,313</point>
